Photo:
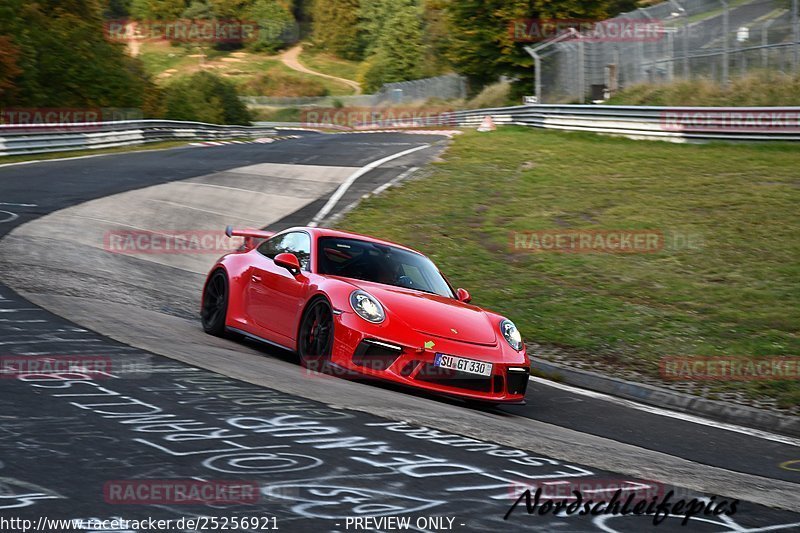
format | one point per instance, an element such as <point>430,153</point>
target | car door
<point>276,296</point>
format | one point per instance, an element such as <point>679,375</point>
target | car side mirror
<point>463,295</point>
<point>289,262</point>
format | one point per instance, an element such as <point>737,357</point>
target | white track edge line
<point>671,414</point>
<point>331,203</point>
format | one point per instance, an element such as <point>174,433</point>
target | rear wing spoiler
<point>251,236</point>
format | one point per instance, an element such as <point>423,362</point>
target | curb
<point>677,401</point>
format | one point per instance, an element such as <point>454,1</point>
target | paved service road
<point>320,450</point>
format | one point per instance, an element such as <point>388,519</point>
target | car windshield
<point>379,263</point>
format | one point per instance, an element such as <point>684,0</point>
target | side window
<point>272,247</point>
<point>297,243</point>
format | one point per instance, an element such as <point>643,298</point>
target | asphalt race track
<point>177,404</point>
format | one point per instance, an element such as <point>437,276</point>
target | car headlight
<point>367,307</point>
<point>511,334</point>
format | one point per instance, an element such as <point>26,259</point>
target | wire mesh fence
<point>445,88</point>
<point>448,87</point>
<point>713,39</point>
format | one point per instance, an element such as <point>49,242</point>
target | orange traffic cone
<point>487,124</point>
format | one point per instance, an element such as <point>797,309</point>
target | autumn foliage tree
<point>57,56</point>
<point>481,45</point>
<point>335,27</point>
<point>399,52</point>
<point>54,52</point>
<point>9,70</point>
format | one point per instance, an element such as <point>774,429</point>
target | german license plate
<point>470,366</point>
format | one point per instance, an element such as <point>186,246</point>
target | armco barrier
<point>676,124</point>
<point>38,139</point>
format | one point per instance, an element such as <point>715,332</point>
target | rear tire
<point>214,310</point>
<point>315,337</point>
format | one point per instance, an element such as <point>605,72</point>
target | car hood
<point>434,315</point>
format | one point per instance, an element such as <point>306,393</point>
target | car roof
<point>327,232</point>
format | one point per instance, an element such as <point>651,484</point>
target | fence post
<point>765,42</point>
<point>671,44</point>
<point>581,71</point>
<point>686,70</point>
<point>726,41</point>
<point>537,60</point>
<point>682,12</point>
<point>796,33</point>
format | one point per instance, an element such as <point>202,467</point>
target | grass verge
<point>757,89</point>
<point>329,64</point>
<point>733,292</point>
<point>277,114</point>
<point>255,74</point>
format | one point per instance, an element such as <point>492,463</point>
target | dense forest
<point>56,52</point>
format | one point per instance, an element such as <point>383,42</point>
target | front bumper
<point>402,358</point>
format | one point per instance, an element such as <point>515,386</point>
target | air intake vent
<point>518,380</point>
<point>376,355</point>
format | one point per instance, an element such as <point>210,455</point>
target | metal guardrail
<point>299,126</point>
<point>676,124</point>
<point>38,139</point>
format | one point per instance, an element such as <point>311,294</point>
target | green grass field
<point>735,291</point>
<point>280,80</point>
<point>329,64</point>
<point>255,74</point>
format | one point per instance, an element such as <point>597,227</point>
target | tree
<point>400,52</point>
<point>116,9</point>
<point>436,37</point>
<point>229,9</point>
<point>480,46</point>
<point>198,10</point>
<point>373,16</point>
<point>483,48</point>
<point>9,69</point>
<point>63,59</point>
<point>204,97</point>
<point>335,27</point>
<point>157,9</point>
<point>276,24</point>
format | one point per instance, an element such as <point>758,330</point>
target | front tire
<point>214,310</point>
<point>315,338</point>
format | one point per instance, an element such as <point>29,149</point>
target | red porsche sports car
<point>352,303</point>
